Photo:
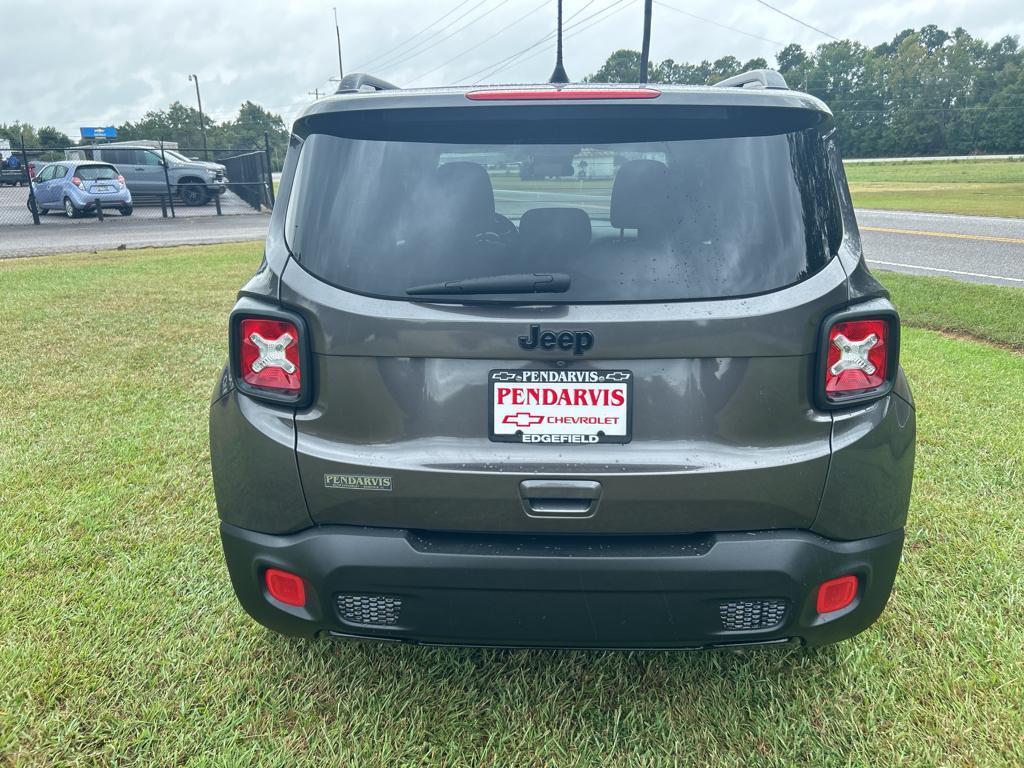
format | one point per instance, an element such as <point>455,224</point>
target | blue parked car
<point>77,187</point>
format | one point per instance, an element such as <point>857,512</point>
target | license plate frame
<point>589,379</point>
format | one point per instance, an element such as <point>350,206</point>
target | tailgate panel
<point>719,444</point>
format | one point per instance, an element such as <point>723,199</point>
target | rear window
<point>95,172</point>
<point>654,220</point>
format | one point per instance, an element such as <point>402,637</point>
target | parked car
<point>12,168</point>
<point>13,175</point>
<point>76,188</point>
<point>194,182</point>
<point>661,410</point>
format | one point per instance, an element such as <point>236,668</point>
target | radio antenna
<point>337,33</point>
<point>559,76</point>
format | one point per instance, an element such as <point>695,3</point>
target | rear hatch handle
<point>560,498</point>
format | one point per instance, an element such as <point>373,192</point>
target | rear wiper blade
<point>524,282</point>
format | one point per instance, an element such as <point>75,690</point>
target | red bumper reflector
<point>567,94</point>
<point>835,594</point>
<point>284,586</point>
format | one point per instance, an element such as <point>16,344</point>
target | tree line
<point>927,92</point>
<point>177,123</point>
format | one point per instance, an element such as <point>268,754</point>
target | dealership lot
<point>14,208</point>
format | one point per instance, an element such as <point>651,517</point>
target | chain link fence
<point>152,179</point>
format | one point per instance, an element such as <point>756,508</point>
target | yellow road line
<point>957,235</point>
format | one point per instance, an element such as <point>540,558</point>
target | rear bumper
<point>562,591</point>
<point>87,202</point>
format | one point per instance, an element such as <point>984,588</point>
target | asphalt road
<point>972,248</point>
<point>115,232</point>
<point>978,249</point>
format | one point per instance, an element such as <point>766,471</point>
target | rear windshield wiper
<point>528,282</point>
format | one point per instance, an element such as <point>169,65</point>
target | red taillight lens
<point>836,594</point>
<point>269,354</point>
<point>858,357</point>
<point>556,94</point>
<point>120,180</point>
<point>76,181</point>
<point>286,587</point>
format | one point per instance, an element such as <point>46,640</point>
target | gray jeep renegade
<point>567,366</point>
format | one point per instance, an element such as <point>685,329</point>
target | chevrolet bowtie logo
<point>504,376</point>
<point>522,419</point>
<point>616,376</point>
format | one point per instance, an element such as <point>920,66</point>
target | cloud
<point>110,63</point>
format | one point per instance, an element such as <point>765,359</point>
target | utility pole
<point>202,122</point>
<point>645,49</point>
<point>315,92</point>
<point>337,33</point>
<point>559,76</point>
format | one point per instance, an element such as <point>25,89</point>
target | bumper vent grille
<point>370,609</point>
<point>739,615</point>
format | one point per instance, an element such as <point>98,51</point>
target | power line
<point>544,39</point>
<point>547,48</point>
<point>482,42</point>
<point>433,40</point>
<point>382,61</point>
<point>451,34</point>
<point>979,108</point>
<point>495,67</point>
<point>431,25</point>
<point>579,27</point>
<point>798,21</point>
<point>717,24</point>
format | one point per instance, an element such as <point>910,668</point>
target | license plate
<point>102,189</point>
<point>555,406</point>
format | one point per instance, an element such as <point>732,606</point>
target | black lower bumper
<point>562,591</point>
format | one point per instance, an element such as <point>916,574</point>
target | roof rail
<point>360,81</point>
<point>755,78</point>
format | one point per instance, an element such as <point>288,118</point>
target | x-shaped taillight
<point>269,356</point>
<point>853,354</point>
<point>272,353</point>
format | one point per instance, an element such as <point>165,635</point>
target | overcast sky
<point>101,64</point>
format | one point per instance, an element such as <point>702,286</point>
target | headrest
<point>465,191</point>
<point>559,232</point>
<point>640,196</point>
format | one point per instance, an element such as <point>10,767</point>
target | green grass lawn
<point>977,187</point>
<point>121,641</point>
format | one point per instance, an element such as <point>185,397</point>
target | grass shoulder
<point>989,313</point>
